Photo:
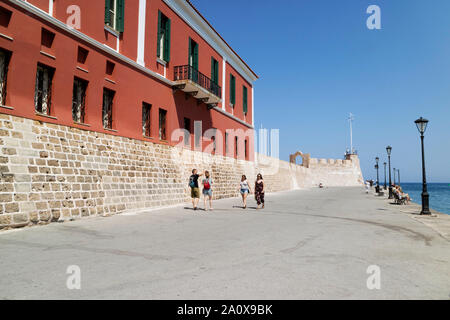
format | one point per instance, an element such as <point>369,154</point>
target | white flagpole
<point>350,119</point>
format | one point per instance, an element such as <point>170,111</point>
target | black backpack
<point>191,182</point>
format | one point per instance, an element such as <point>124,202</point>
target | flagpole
<point>350,119</point>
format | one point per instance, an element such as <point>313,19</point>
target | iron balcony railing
<point>189,73</point>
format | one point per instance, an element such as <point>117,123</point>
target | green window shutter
<point>193,54</point>
<point>120,15</point>
<point>213,69</point>
<point>217,72</point>
<point>107,8</point>
<point>167,41</point>
<point>232,89</point>
<point>158,36</point>
<point>244,95</point>
<point>196,56</point>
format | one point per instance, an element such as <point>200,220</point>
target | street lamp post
<point>377,189</point>
<point>394,176</point>
<point>398,176</point>
<point>385,186</point>
<point>389,151</point>
<point>421,124</point>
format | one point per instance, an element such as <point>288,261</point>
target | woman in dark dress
<point>259,191</point>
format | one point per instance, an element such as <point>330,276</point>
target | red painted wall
<point>132,87</point>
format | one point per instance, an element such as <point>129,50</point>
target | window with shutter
<point>193,60</point>
<point>214,70</point>
<point>167,41</point>
<point>114,14</point>
<point>232,90</point>
<point>244,98</point>
<point>163,42</point>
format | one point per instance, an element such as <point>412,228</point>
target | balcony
<point>195,83</point>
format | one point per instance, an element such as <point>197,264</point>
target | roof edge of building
<point>218,34</point>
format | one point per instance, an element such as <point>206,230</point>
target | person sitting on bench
<point>403,197</point>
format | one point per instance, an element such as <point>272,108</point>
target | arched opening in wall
<point>300,159</point>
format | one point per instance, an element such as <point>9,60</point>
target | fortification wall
<point>329,172</point>
<point>51,172</point>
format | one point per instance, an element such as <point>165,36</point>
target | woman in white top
<point>244,188</point>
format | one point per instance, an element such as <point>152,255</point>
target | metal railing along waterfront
<point>190,73</point>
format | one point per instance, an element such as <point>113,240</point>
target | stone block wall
<point>51,172</point>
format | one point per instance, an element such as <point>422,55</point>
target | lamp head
<point>421,125</point>
<point>389,150</point>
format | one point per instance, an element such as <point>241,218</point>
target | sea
<point>439,195</point>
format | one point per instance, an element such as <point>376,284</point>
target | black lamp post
<point>385,186</point>
<point>377,189</point>
<point>422,126</point>
<point>389,151</point>
<point>398,176</point>
<point>394,170</point>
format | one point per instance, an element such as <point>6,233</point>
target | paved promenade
<point>307,244</point>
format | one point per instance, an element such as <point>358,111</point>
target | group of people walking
<point>207,182</point>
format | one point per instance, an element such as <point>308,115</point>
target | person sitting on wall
<point>320,185</point>
<point>195,191</point>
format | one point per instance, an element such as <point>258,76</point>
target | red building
<point>134,68</point>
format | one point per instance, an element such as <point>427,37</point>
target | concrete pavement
<point>307,244</point>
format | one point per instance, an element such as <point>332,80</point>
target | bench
<point>399,200</point>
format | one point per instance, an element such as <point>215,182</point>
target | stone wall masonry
<point>50,173</point>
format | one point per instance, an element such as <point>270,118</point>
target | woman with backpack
<point>207,189</point>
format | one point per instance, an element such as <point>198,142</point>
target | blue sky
<point>317,61</point>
